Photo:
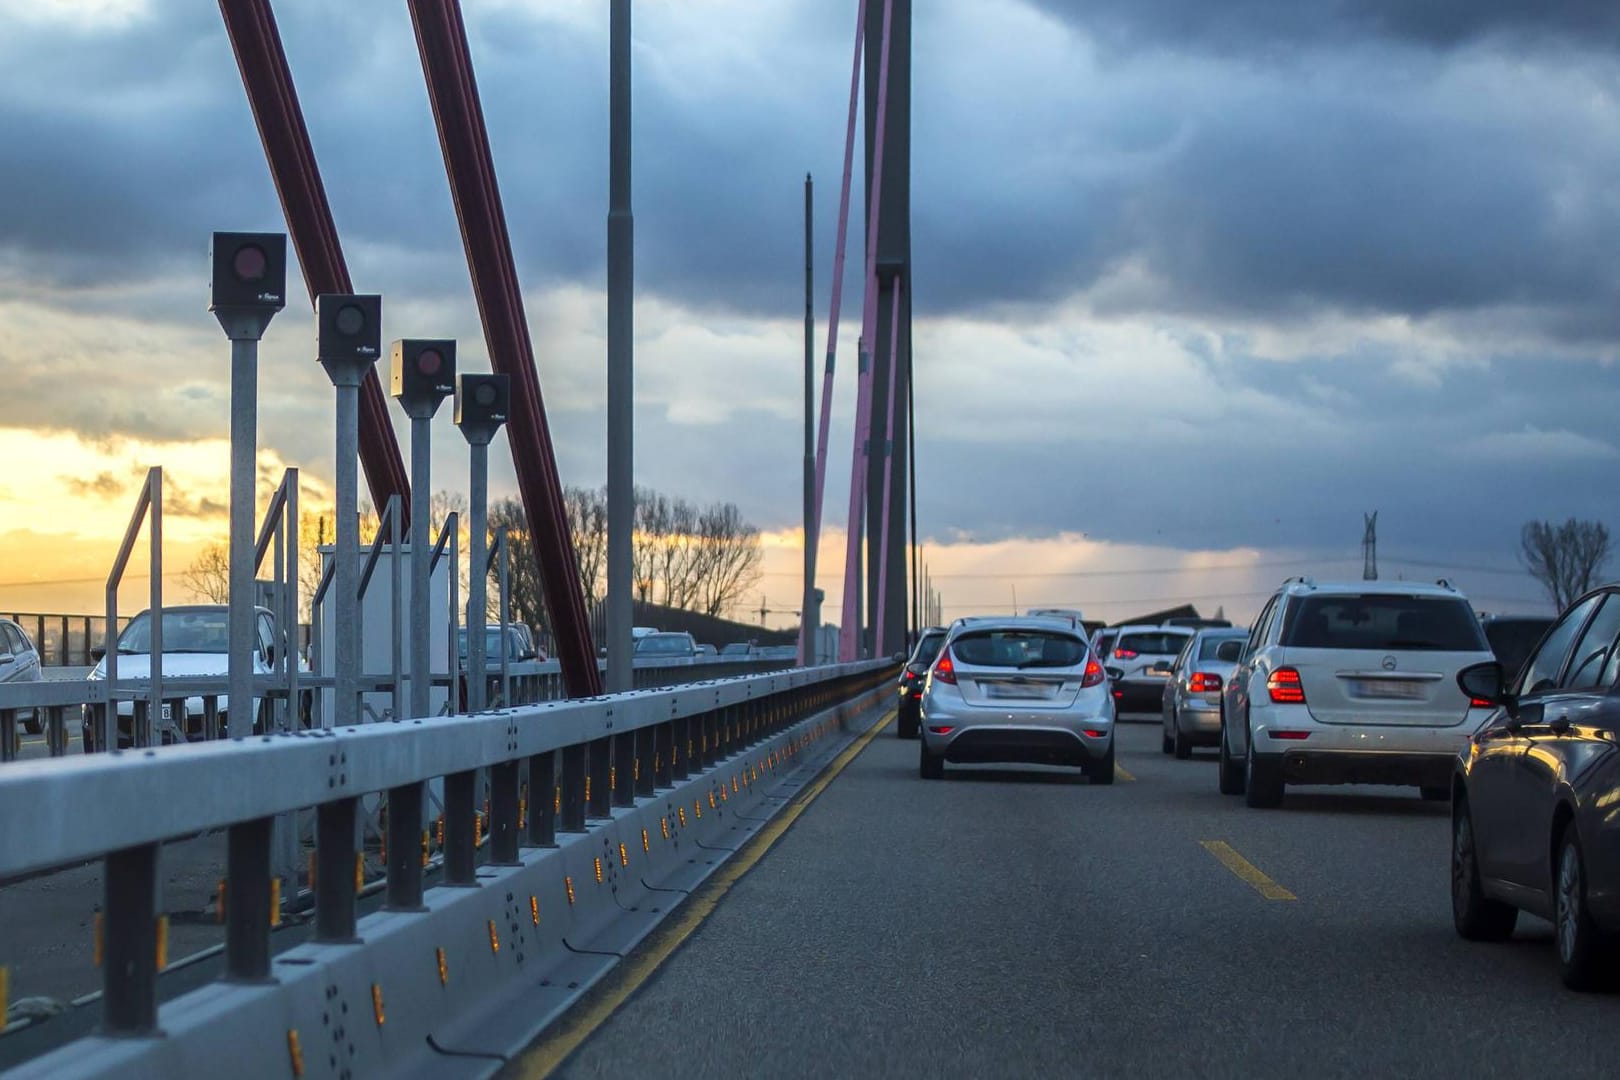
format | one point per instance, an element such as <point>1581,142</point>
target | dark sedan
<point>1534,797</point>
<point>912,677</point>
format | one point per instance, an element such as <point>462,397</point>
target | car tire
<point>929,766</point>
<point>1101,770</point>
<point>1434,794</point>
<point>1262,779</point>
<point>906,724</point>
<point>1183,746</point>
<point>1585,953</point>
<point>1231,772</point>
<point>1168,744</point>
<point>34,725</point>
<point>1476,916</point>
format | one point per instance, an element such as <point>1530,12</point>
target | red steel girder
<point>441,38</point>
<point>252,29</point>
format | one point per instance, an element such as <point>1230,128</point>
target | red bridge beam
<point>263,63</point>
<point>441,38</point>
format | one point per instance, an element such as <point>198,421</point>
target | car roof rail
<point>1302,579</point>
<point>1444,584</point>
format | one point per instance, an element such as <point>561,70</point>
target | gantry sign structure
<point>464,140</point>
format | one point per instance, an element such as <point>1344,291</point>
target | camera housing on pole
<point>481,408</point>
<point>422,373</point>
<point>249,282</point>
<point>348,340</point>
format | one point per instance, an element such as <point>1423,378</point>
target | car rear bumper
<point>1367,767</point>
<point>1139,692</point>
<point>1199,720</point>
<point>1034,746</point>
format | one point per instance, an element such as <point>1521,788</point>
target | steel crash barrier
<point>601,815</point>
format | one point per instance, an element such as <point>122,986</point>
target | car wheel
<point>929,766</point>
<point>1231,772</point>
<point>1476,916</point>
<point>34,725</point>
<point>1168,744</point>
<point>1434,794</point>
<point>906,724</point>
<point>1583,950</point>
<point>1183,746</point>
<point>1262,780</point>
<point>1101,770</point>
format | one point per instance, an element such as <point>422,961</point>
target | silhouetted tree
<point>1567,559</point>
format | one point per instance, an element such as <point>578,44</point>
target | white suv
<point>1351,684</point>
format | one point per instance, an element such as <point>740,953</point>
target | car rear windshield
<point>928,648</point>
<point>1383,622</point>
<point>1018,649</point>
<point>1212,645</point>
<point>1157,642</point>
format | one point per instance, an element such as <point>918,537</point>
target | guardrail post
<point>680,748</point>
<point>503,813</point>
<point>460,811</point>
<point>56,731</point>
<point>542,795</point>
<point>129,949</point>
<point>663,740</point>
<point>334,871</point>
<point>404,864</point>
<point>623,772</point>
<point>247,901</point>
<point>644,760</point>
<point>8,735</point>
<point>573,788</point>
<point>598,786</point>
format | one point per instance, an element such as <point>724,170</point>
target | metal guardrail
<point>531,682</point>
<point>551,768</point>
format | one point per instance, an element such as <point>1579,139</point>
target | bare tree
<point>523,573</point>
<point>652,526</point>
<point>1567,559</point>
<point>587,522</point>
<point>209,575</point>
<point>731,557</point>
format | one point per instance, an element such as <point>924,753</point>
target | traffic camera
<point>249,281</point>
<point>348,328</point>
<point>481,405</point>
<point>422,373</point>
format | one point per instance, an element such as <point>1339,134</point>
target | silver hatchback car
<point>1017,690</point>
<point>1192,696</point>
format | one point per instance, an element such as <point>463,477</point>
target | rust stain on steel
<point>251,26</point>
<point>441,39</point>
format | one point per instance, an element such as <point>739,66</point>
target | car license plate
<point>1388,689</point>
<point>1037,691</point>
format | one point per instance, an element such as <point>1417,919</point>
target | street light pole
<point>621,357</point>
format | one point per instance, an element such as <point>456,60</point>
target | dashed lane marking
<point>1250,874</point>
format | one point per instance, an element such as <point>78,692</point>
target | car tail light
<point>1479,703</point>
<point>1203,682</point>
<point>1095,733</point>
<point>1285,687</point>
<point>1093,675</point>
<point>1125,654</point>
<point>1295,735</point>
<point>945,671</point>
<point>944,729</point>
<point>909,675</point>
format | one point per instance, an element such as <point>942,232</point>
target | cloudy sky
<point>1197,284</point>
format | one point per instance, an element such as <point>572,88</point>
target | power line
<point>85,581</point>
<point>1263,564</point>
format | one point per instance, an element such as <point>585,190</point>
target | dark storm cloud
<point>1258,25</point>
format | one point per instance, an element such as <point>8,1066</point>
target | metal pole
<point>243,480</point>
<point>346,550</point>
<point>881,643</point>
<point>911,470</point>
<point>478,576</point>
<point>421,555</point>
<point>621,357</point>
<point>396,620</point>
<point>154,534</point>
<point>809,617</point>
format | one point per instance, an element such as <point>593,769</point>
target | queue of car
<point>1513,720</point>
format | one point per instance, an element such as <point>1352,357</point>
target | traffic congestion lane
<point>1010,921</point>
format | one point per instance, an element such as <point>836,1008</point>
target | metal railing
<point>551,769</point>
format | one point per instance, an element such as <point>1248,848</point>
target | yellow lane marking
<point>1121,774</point>
<point>639,966</point>
<point>1246,871</point>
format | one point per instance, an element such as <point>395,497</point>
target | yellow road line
<point>1121,774</point>
<point>1246,871</point>
<point>640,965</point>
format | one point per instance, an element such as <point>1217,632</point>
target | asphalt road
<point>1019,922</point>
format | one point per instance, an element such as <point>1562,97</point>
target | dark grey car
<point>1533,797</point>
<point>19,663</point>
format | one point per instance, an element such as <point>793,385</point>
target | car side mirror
<point>98,653</point>
<point>1485,682</point>
<point>1230,652</point>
